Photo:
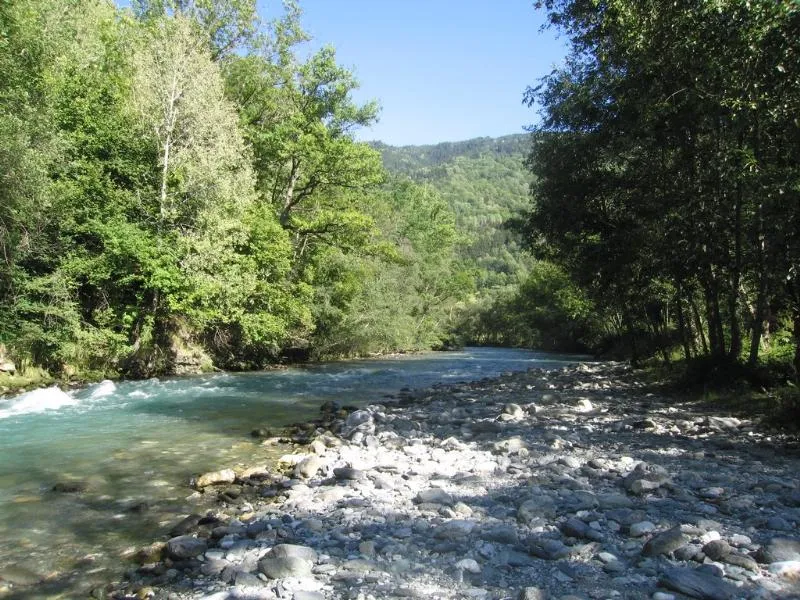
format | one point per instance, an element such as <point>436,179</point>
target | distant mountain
<point>486,183</point>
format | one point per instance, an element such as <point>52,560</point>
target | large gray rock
<point>308,467</point>
<point>665,542</point>
<point>434,496</point>
<point>578,529</point>
<point>547,548</point>
<point>359,421</point>
<point>645,478</point>
<point>285,566</point>
<point>185,546</point>
<point>293,551</point>
<point>697,584</point>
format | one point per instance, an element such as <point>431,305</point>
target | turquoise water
<point>140,441</point>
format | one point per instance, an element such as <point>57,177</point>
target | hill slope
<point>485,182</point>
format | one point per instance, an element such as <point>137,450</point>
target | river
<point>135,444</point>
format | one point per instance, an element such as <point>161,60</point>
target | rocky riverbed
<point>564,484</point>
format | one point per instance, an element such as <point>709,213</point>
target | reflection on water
<point>133,445</point>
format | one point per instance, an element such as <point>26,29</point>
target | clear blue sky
<point>442,70</point>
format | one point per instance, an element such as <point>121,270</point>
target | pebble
<point>472,490</point>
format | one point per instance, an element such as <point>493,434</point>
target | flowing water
<point>134,445</point>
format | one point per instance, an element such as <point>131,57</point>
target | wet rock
<point>71,487</point>
<point>215,478</point>
<point>185,525</point>
<point>151,553</point>
<point>697,584</point>
<point>665,542</point>
<point>185,546</point>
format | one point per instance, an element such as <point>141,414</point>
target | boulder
<point>308,467</point>
<point>285,566</point>
<point>185,546</point>
<point>665,542</point>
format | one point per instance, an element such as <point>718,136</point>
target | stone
<point>578,529</point>
<point>717,549</point>
<point>307,595</point>
<point>185,546</point>
<point>359,421</point>
<point>539,507</point>
<point>185,525</point>
<point>348,474</point>
<point>215,478</point>
<point>455,529</point>
<point>308,467</point>
<point>547,548</point>
<point>72,486</point>
<point>641,528</point>
<point>151,553</point>
<point>697,584</point>
<point>665,542</point>
<point>293,551</point>
<point>532,593</point>
<point>469,564</point>
<point>645,478</point>
<point>285,566</point>
<point>501,534</point>
<point>434,496</point>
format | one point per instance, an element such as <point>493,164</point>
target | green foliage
<point>180,186</point>
<point>666,170</point>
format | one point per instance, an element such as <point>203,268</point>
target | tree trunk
<point>682,329</point>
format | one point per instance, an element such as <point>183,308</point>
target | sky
<point>442,70</point>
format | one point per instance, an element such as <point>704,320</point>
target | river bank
<point>572,483</point>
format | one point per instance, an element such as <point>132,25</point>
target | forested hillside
<point>516,300</point>
<point>182,190</point>
<point>485,183</point>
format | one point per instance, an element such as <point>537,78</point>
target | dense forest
<point>514,300</point>
<point>667,175</point>
<point>182,189</point>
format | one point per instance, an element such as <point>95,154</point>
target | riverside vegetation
<point>183,192</point>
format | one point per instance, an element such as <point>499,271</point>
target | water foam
<point>37,401</point>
